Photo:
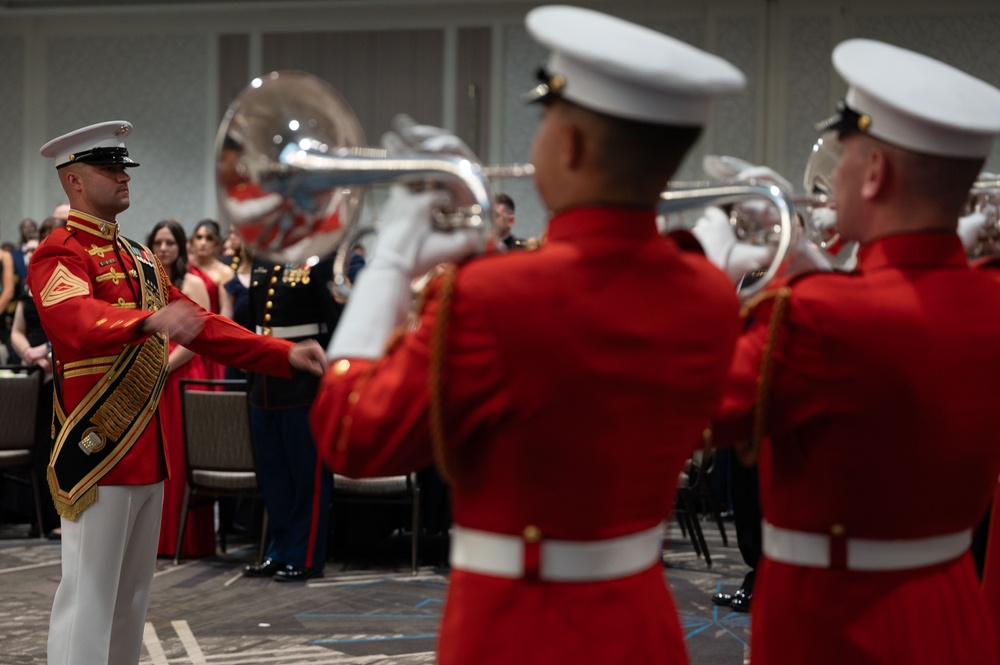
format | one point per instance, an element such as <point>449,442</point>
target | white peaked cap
<point>625,70</point>
<point>103,143</point>
<point>915,102</point>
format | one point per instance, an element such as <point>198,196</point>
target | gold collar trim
<point>93,225</point>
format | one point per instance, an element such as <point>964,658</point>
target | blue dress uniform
<point>295,303</point>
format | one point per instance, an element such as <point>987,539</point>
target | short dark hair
<point>638,156</point>
<point>505,200</point>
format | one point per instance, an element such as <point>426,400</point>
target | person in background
<point>558,503</point>
<point>503,219</point>
<point>8,288</point>
<point>29,340</point>
<point>109,311</point>
<point>206,245</point>
<point>291,302</point>
<point>169,243</point>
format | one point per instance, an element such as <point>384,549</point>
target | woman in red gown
<point>168,242</point>
<point>206,244</point>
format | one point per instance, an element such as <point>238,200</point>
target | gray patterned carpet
<point>204,613</point>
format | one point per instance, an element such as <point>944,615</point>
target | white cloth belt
<point>502,555</point>
<point>813,549</point>
<point>289,332</point>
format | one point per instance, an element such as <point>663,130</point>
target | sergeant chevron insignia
<point>63,285</point>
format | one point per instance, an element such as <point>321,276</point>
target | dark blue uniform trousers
<point>295,484</point>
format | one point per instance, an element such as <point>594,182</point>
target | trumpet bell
<point>278,211</point>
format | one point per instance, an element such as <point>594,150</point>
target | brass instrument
<point>782,234</point>
<point>293,170</point>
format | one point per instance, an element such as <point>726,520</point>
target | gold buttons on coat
<point>341,366</point>
<point>838,530</point>
<point>532,534</point>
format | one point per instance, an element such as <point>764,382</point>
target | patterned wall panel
<point>809,83</point>
<point>968,42</point>
<point>158,83</point>
<point>12,204</point>
<point>234,68</point>
<point>472,89</point>
<point>734,120</point>
<point>523,57</point>
<point>379,73</point>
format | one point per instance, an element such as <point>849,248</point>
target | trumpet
<point>293,170</point>
<point>675,199</point>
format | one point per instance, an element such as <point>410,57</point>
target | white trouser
<point>108,560</point>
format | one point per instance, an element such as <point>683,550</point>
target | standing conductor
<point>108,310</point>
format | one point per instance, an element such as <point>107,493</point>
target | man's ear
<point>71,181</point>
<point>878,168</point>
<point>575,146</point>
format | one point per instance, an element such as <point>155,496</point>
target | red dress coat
<point>881,426</point>
<point>87,302</point>
<point>213,370</point>
<point>578,379</point>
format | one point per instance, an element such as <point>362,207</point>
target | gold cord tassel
<point>436,399</point>
<point>748,451</point>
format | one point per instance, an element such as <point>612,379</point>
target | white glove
<point>408,137</point>
<point>407,247</point>
<point>824,220</point>
<point>969,227</point>
<point>807,257</point>
<point>718,239</point>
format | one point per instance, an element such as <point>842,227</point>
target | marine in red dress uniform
<point>875,395</point>
<point>574,380</point>
<point>100,298</point>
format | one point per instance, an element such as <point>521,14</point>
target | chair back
<point>216,428</point>
<point>19,388</point>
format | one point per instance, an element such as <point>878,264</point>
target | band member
<point>109,311</point>
<point>869,395</point>
<point>560,391</point>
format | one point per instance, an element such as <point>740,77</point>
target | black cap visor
<point>845,121</point>
<point>547,90</point>
<point>101,157</point>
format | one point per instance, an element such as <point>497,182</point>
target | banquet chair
<point>218,448</point>
<point>19,388</point>
<point>403,489</point>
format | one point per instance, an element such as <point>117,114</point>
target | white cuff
<point>380,301</point>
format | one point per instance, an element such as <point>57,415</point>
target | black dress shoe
<point>266,568</point>
<point>297,574</point>
<point>723,599</point>
<point>741,600</point>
